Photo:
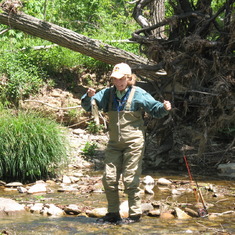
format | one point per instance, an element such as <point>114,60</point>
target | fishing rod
<point>202,211</point>
<point>191,178</point>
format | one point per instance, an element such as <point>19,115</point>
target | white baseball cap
<point>121,70</point>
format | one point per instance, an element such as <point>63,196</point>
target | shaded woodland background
<point>196,49</point>
<point>186,57</point>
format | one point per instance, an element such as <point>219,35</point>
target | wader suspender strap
<point>130,98</point>
<point>111,98</point>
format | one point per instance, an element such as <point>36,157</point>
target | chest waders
<point>124,156</point>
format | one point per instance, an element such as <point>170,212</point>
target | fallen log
<point>77,42</point>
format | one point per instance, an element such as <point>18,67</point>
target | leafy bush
<point>93,128</point>
<point>31,147</point>
<point>21,77</point>
<point>89,149</point>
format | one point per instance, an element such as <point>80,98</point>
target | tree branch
<point>170,20</point>
<point>4,31</point>
<point>137,13</point>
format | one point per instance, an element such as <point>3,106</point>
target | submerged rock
<point>191,212</point>
<point>53,210</point>
<point>37,188</point>
<point>22,190</point>
<point>72,209</point>
<point>163,181</point>
<point>97,212</point>
<point>149,189</point>
<point>36,208</point>
<point>146,208</point>
<point>154,213</point>
<point>227,169</point>
<point>148,180</point>
<point>10,207</point>
<point>14,184</point>
<point>166,215</point>
<point>68,188</point>
<point>2,183</point>
<point>181,214</point>
<point>66,179</point>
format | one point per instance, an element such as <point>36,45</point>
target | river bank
<point>77,197</point>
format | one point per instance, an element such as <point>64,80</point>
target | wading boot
<point>131,219</point>
<point>110,218</point>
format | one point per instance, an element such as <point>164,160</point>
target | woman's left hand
<point>167,105</point>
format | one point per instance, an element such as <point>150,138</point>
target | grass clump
<point>31,147</point>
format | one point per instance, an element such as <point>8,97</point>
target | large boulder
<point>227,169</point>
<point>10,207</point>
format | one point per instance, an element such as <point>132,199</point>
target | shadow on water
<point>38,224</point>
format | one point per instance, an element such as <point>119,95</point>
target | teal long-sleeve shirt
<point>142,100</point>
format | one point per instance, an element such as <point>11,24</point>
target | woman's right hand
<point>91,92</point>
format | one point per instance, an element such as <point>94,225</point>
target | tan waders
<point>124,157</point>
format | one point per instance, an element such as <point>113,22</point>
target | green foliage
<point>106,20</point>
<point>19,77</point>
<point>93,128</point>
<point>27,69</point>
<point>74,113</point>
<point>31,147</point>
<point>39,197</point>
<point>89,149</point>
<point>35,8</point>
<point>53,60</point>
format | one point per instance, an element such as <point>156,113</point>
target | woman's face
<point>120,84</point>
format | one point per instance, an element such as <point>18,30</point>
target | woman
<point>124,104</point>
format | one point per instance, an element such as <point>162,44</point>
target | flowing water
<point>38,224</point>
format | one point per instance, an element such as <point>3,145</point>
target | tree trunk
<point>76,42</point>
<point>157,12</point>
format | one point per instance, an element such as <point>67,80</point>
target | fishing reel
<point>202,212</point>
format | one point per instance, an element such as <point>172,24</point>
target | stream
<point>81,224</point>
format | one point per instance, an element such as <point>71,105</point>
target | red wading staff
<point>201,211</point>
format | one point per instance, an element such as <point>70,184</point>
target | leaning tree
<point>189,59</point>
